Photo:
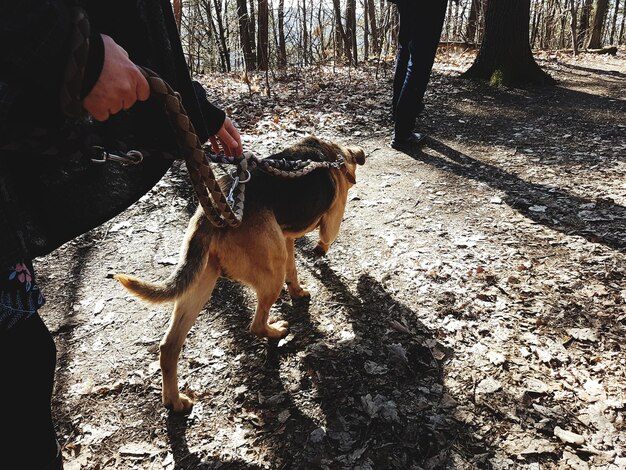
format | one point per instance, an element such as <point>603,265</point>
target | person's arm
<point>221,129</point>
<point>34,44</point>
<point>34,50</point>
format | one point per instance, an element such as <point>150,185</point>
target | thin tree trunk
<point>351,45</point>
<point>305,35</point>
<point>614,21</point>
<point>178,12</point>
<point>621,28</point>
<point>583,25</point>
<point>375,41</point>
<point>263,38</point>
<point>470,30</point>
<point>244,32</point>
<point>223,45</point>
<point>252,24</point>
<point>340,34</point>
<point>366,40</point>
<point>282,47</point>
<point>573,27</point>
<point>597,24</point>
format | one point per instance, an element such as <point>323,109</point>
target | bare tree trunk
<point>252,28</point>
<point>375,41</point>
<point>263,38</point>
<point>614,21</point>
<point>221,36</point>
<point>305,35</point>
<point>282,47</point>
<point>178,12</point>
<point>536,23</point>
<point>505,56</point>
<point>583,26</point>
<point>351,45</point>
<point>244,32</point>
<point>597,24</point>
<point>621,28</point>
<point>573,27</point>
<point>470,30</point>
<point>366,40</point>
<point>341,40</point>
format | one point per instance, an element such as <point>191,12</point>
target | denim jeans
<point>418,38</point>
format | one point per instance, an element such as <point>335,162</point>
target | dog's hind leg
<point>267,293</point>
<point>184,315</point>
<point>293,283</point>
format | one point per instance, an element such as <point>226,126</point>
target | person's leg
<point>399,76</point>
<point>426,35</point>
<point>27,363</point>
<point>426,25</point>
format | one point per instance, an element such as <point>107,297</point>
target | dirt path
<point>472,313</point>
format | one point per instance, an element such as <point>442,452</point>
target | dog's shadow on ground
<point>358,383</point>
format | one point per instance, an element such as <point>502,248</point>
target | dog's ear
<point>349,176</point>
<point>358,154</point>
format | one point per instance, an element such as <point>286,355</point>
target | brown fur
<point>259,253</point>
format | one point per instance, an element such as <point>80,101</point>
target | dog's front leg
<point>184,315</point>
<point>296,291</point>
<point>329,227</point>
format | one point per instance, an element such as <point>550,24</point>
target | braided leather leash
<point>220,209</point>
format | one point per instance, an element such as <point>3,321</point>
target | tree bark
<point>305,35</point>
<point>505,56</point>
<point>597,24</point>
<point>244,32</point>
<point>351,45</point>
<point>223,45</point>
<point>282,47</point>
<point>583,25</point>
<point>178,12</point>
<point>375,42</point>
<point>614,21</point>
<point>573,26</point>
<point>263,38</point>
<point>340,33</point>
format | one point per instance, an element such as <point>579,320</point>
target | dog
<point>258,253</point>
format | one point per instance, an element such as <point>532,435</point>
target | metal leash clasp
<point>236,181</point>
<point>101,155</point>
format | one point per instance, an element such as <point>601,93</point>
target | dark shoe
<point>412,142</point>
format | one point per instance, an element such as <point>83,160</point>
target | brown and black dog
<point>259,253</point>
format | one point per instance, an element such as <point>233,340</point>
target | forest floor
<point>471,314</point>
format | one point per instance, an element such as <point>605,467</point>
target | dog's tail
<point>192,262</point>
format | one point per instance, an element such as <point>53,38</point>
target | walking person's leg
<point>426,25</point>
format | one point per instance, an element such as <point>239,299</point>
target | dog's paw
<point>320,249</point>
<point>183,404</point>
<point>299,293</point>
<point>277,329</point>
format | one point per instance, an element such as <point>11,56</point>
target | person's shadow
<point>599,221</point>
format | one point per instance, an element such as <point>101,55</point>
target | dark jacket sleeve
<point>34,50</point>
<point>34,41</point>
<point>213,116</point>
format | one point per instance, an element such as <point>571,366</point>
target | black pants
<point>418,38</point>
<point>27,362</point>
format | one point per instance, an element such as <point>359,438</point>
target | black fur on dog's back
<point>296,202</point>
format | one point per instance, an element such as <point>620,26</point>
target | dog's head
<point>329,151</point>
<point>352,156</point>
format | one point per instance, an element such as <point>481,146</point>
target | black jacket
<point>48,200</point>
